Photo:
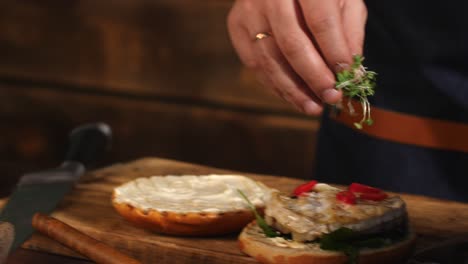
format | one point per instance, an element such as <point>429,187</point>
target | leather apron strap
<point>408,129</point>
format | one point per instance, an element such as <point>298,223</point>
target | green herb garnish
<point>357,83</point>
<point>269,232</point>
<point>346,241</point>
<point>339,240</point>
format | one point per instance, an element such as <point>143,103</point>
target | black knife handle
<point>88,142</point>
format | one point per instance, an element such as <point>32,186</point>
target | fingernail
<point>330,96</point>
<point>339,67</point>
<point>312,108</point>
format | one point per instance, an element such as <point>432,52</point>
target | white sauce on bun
<point>191,193</point>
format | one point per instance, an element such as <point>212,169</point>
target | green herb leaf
<point>340,240</point>
<point>358,83</point>
<point>269,232</point>
<point>335,239</point>
<point>349,242</point>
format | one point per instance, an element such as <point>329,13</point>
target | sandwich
<point>189,205</point>
<point>323,224</point>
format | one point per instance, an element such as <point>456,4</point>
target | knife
<point>42,191</point>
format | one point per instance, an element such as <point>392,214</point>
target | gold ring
<point>262,35</point>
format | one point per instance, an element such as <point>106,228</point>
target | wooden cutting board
<point>88,209</point>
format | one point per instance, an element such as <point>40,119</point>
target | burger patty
<point>314,214</point>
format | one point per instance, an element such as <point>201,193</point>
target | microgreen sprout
<point>357,82</point>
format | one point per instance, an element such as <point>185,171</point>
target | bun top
<point>191,193</point>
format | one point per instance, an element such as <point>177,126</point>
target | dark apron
<point>420,51</point>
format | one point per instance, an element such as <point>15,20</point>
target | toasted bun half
<point>206,205</point>
<point>185,224</point>
<point>273,251</point>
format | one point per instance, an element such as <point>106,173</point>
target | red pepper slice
<point>361,188</point>
<point>346,197</point>
<point>373,196</point>
<point>304,188</point>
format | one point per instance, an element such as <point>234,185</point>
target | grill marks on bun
<point>185,224</point>
<point>189,205</point>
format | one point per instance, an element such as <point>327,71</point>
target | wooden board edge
<point>194,253</point>
<point>44,244</point>
<point>145,253</point>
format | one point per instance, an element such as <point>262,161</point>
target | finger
<point>354,24</point>
<point>274,72</point>
<point>241,42</point>
<point>324,20</point>
<point>283,80</point>
<point>300,52</point>
<point>264,58</point>
<point>311,108</point>
<point>267,82</point>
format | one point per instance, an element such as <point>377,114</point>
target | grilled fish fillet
<point>317,213</point>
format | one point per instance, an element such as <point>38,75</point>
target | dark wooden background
<point>162,73</point>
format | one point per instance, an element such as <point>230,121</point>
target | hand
<point>310,41</point>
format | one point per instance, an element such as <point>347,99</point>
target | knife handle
<point>88,142</point>
<point>78,241</point>
<point>7,235</point>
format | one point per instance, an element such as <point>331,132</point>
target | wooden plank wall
<point>161,72</point>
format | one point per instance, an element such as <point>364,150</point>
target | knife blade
<point>42,191</point>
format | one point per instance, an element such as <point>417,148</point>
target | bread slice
<point>168,204</point>
<point>254,243</point>
<point>185,224</point>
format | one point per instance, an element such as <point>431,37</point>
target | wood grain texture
<point>25,256</point>
<point>162,73</point>
<point>162,48</point>
<point>78,241</point>
<point>38,120</point>
<point>89,210</point>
